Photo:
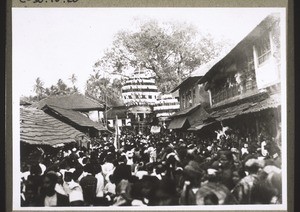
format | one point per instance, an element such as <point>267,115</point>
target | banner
<point>155,129</point>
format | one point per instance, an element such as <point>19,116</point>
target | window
<point>123,122</point>
<point>130,97</point>
<point>263,49</point>
<point>143,97</point>
<point>149,96</point>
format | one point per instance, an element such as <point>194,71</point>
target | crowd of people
<point>155,170</point>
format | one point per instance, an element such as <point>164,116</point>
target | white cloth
<point>59,189</point>
<point>107,168</point>
<point>264,152</point>
<point>50,201</point>
<point>244,151</point>
<point>43,168</point>
<point>25,175</point>
<point>100,185</point>
<point>110,188</point>
<point>76,194</point>
<point>73,190</point>
<point>141,173</point>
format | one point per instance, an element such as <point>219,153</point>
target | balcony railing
<point>230,92</point>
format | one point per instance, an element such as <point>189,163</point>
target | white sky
<point>54,43</point>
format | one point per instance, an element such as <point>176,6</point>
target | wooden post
<point>257,128</point>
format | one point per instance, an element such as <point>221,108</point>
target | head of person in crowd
<point>225,159</point>
<point>237,175</point>
<point>164,193</point>
<point>193,173</point>
<point>262,193</point>
<point>31,194</point>
<point>49,182</point>
<point>35,170</point>
<point>252,165</point>
<point>211,199</point>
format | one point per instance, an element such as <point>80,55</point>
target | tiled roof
<point>259,103</point>
<point>73,102</point>
<point>188,81</point>
<point>24,103</point>
<point>75,117</point>
<point>186,111</point>
<point>250,105</point>
<point>37,127</point>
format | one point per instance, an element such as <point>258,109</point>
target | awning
<point>177,123</point>
<point>256,105</point>
<point>273,101</point>
<point>192,115</point>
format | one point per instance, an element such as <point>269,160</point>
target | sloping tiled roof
<point>187,81</point>
<point>24,103</point>
<point>73,102</point>
<point>261,102</point>
<point>186,111</point>
<point>75,117</point>
<point>37,127</point>
<point>197,75</point>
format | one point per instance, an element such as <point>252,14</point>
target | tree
<point>73,80</point>
<point>60,88</point>
<point>170,50</point>
<point>104,89</point>
<point>38,88</point>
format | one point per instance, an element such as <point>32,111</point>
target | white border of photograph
<point>16,147</point>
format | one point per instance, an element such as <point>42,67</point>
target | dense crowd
<point>155,170</point>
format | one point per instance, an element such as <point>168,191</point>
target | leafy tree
<point>38,88</point>
<point>170,50</point>
<point>60,88</point>
<point>73,80</point>
<point>104,89</point>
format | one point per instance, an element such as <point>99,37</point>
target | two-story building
<point>193,101</point>
<point>244,86</point>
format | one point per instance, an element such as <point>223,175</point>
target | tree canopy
<point>60,88</point>
<point>171,50</point>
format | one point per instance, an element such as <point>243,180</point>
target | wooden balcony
<point>229,94</point>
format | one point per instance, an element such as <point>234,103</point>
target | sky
<point>54,43</point>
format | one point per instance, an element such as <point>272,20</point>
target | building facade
<point>193,100</point>
<point>244,86</point>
